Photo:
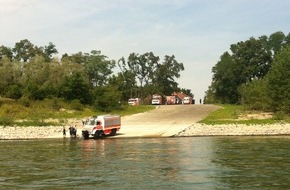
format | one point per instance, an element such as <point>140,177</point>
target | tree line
<point>255,72</point>
<point>33,72</point>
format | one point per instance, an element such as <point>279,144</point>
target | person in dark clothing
<point>64,132</point>
<point>72,131</point>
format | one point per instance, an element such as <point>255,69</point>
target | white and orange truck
<point>156,99</point>
<point>101,125</point>
<point>170,100</point>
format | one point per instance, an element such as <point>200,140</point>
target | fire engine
<point>101,125</point>
<point>156,99</point>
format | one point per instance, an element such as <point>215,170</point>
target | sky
<point>196,32</point>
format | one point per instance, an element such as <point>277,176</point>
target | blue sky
<point>197,32</point>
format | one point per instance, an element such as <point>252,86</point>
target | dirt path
<point>164,121</point>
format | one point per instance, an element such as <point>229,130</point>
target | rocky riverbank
<point>235,130</point>
<point>24,133</point>
<point>18,133</point>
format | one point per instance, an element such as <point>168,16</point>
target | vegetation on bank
<point>24,112</point>
<point>254,73</point>
<point>36,73</point>
<point>237,114</point>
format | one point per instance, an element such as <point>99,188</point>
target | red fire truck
<point>101,125</point>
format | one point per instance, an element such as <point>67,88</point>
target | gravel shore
<point>235,130</point>
<point>22,133</point>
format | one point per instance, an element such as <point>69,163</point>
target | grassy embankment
<point>52,112</point>
<point>237,114</point>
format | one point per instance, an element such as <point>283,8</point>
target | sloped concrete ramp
<point>164,121</point>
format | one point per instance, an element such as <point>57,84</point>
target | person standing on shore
<point>72,131</point>
<point>64,132</point>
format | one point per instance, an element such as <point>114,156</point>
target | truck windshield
<point>90,122</point>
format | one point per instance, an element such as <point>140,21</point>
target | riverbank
<point>164,121</point>
<point>25,133</point>
<point>235,130</point>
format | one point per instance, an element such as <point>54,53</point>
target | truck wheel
<point>86,136</point>
<point>97,134</point>
<point>113,132</point>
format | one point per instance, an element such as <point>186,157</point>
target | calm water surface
<point>147,163</point>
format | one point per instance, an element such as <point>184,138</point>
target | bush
<point>107,99</point>
<point>13,91</point>
<point>55,104</point>
<point>279,116</point>
<point>76,105</point>
<point>254,95</point>
<point>25,101</point>
<point>6,121</point>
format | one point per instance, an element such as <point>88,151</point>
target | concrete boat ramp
<point>164,121</point>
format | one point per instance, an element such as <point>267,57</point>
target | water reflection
<point>252,162</point>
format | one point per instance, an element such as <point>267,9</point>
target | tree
<point>49,51</point>
<point>75,87</point>
<point>24,50</point>
<point>278,81</point>
<point>126,84</point>
<point>166,73</point>
<point>276,41</point>
<point>107,98</point>
<point>142,67</point>
<point>6,52</point>
<point>226,80</point>
<point>98,68</point>
<point>248,61</point>
<point>187,92</point>
<point>254,95</point>
<point>252,59</point>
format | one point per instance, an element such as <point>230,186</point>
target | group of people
<point>72,131</point>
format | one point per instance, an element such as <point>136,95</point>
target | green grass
<point>36,113</point>
<point>229,114</point>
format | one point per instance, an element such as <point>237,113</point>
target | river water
<point>147,163</point>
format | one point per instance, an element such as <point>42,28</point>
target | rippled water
<point>147,163</point>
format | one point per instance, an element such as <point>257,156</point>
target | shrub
<point>25,101</point>
<point>6,121</point>
<point>279,116</point>
<point>76,105</point>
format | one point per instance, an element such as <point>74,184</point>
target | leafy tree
<point>13,91</point>
<point>226,80</point>
<point>34,91</point>
<point>6,72</point>
<point>276,41</point>
<point>107,98</point>
<point>35,71</point>
<point>126,84</point>
<point>48,51</point>
<point>279,81</point>
<point>75,87</point>
<point>209,97</point>
<point>142,67</point>
<point>252,59</point>
<point>78,58</point>
<point>24,50</point>
<point>187,92</point>
<point>98,68</point>
<point>6,52</point>
<point>254,95</point>
<point>166,73</point>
